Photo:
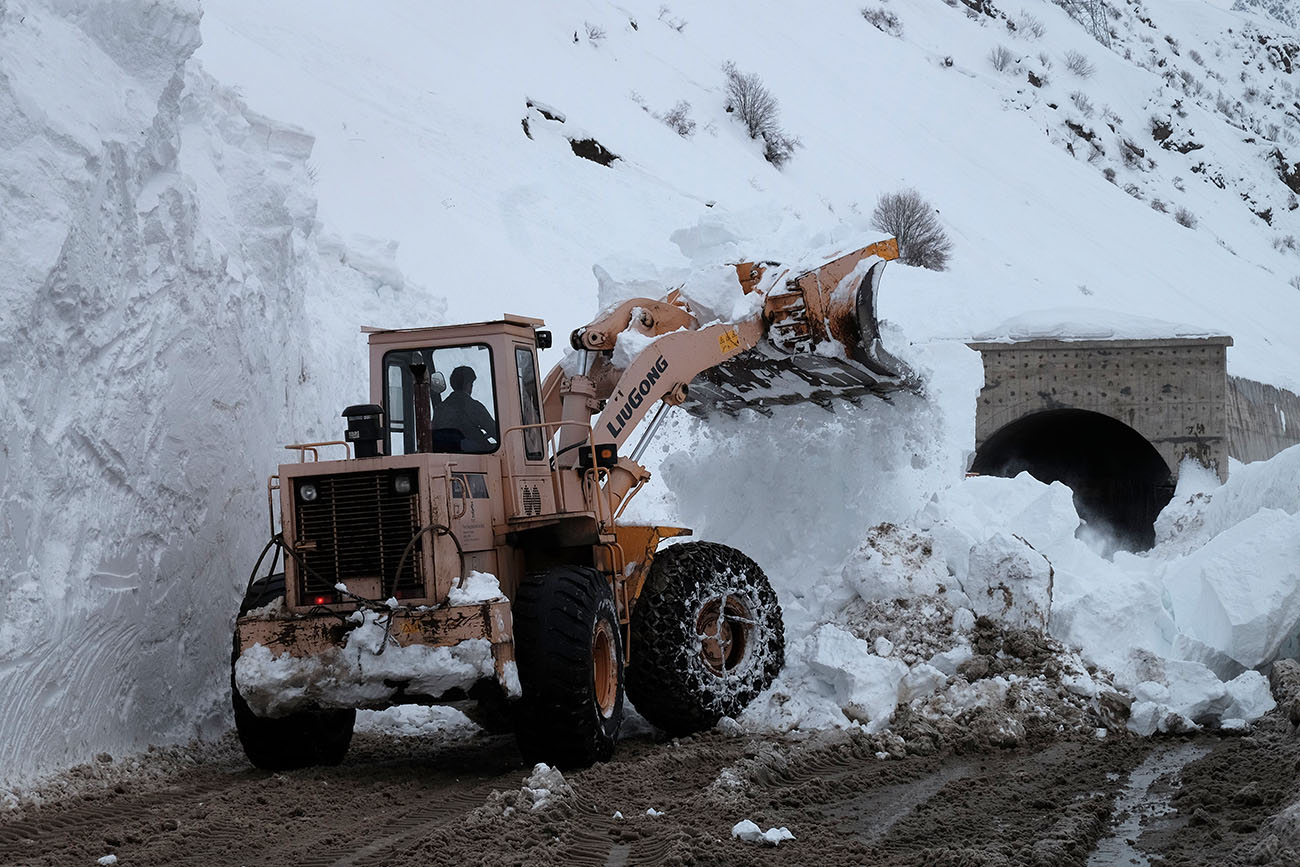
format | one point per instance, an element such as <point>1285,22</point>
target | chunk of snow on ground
<point>895,563</point>
<point>750,832</point>
<point>1009,581</point>
<point>410,720</point>
<point>866,686</point>
<point>652,812</point>
<point>544,785</point>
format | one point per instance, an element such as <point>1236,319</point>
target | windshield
<point>463,412</point>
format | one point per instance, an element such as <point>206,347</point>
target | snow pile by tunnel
<point>169,319</point>
<point>980,600</point>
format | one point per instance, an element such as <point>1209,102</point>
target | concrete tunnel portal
<point>1120,482</point>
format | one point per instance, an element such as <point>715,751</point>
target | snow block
<point>922,681</point>
<point>1010,582</point>
<point>1251,696</point>
<point>1179,695</point>
<point>895,563</point>
<point>1246,613</point>
<point>866,686</point>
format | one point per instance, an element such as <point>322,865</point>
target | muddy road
<point>847,800</point>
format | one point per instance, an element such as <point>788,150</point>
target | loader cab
<point>461,397</point>
<point>483,382</point>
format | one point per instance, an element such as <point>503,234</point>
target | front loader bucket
<point>822,341</point>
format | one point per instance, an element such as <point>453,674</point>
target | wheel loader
<point>463,542</point>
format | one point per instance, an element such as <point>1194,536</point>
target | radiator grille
<point>357,527</point>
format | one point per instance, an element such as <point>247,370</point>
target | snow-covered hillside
<point>419,113</point>
<point>191,234</point>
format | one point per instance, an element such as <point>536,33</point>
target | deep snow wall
<point>161,274</point>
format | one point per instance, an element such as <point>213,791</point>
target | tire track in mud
<point>405,801</point>
<point>361,813</point>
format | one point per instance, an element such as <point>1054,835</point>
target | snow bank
<point>171,315</point>
<point>929,611</point>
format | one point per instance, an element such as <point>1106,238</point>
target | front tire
<point>298,740</point>
<point>569,650</point>
<point>707,637</point>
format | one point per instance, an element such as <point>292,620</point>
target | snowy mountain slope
<point>161,272</point>
<point>423,143</point>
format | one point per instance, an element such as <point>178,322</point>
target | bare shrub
<point>1029,27</point>
<point>750,101</point>
<point>595,33</point>
<point>1196,57</point>
<point>1001,57</point>
<point>1285,243</point>
<point>883,20</point>
<point>1045,59</point>
<point>1080,100</point>
<point>1135,191</point>
<point>679,120</point>
<point>1157,205</point>
<point>912,220</point>
<point>758,110</point>
<point>1173,43</point>
<point>1109,174</point>
<point>778,147</point>
<point>1184,217</point>
<point>666,16</point>
<point>1078,63</point>
<point>1294,282</point>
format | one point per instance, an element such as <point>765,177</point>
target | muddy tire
<point>707,637</point>
<point>298,740</point>
<point>569,650</point>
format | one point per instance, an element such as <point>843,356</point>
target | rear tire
<point>298,740</point>
<point>707,637</point>
<point>569,650</point>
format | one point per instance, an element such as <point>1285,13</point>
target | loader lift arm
<point>814,337</point>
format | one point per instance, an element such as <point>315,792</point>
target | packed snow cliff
<point>161,334</point>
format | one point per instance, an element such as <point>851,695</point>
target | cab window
<point>463,412</point>
<point>526,367</point>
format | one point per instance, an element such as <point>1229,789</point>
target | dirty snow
<point>363,673</point>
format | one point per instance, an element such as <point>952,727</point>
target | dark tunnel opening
<point>1119,480</point>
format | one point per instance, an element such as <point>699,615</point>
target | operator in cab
<point>461,411</point>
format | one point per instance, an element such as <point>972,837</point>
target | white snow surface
<point>477,587</point>
<point>201,205</point>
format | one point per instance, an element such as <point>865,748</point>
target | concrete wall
<point>1262,420</point>
<point>1174,392</point>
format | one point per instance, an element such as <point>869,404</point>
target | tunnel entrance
<point>1119,480</point>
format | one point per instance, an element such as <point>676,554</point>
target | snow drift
<point>162,333</point>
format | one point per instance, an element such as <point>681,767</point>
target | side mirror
<point>437,383</point>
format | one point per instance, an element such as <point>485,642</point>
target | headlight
<point>402,484</point>
<point>307,492</point>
